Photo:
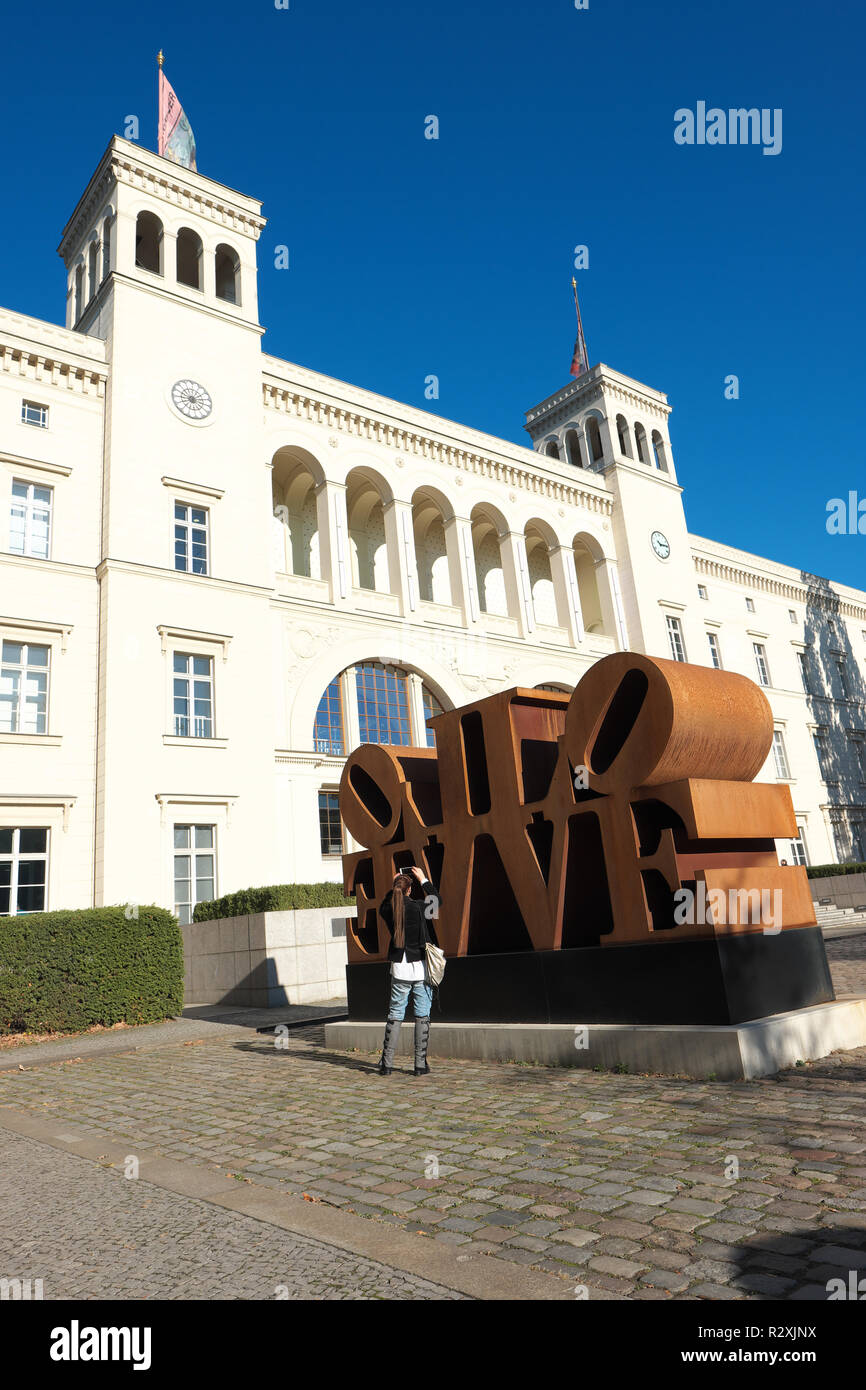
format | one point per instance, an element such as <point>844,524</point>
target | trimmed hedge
<point>281,897</point>
<point>65,971</point>
<point>829,870</point>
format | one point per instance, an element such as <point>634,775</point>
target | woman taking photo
<point>411,928</point>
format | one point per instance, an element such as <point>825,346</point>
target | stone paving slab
<point>629,1186</point>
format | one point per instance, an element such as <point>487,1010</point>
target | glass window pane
<point>201,665</point>
<point>6,840</point>
<point>37,656</point>
<point>182,863</point>
<point>5,872</point>
<point>180,661</point>
<point>197,515</point>
<point>31,899</point>
<point>204,837</point>
<point>179,514</point>
<point>12,652</point>
<point>181,837</point>
<point>32,841</point>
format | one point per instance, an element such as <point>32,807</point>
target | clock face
<point>191,399</point>
<point>661,545</point>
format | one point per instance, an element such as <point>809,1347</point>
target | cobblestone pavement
<point>109,1237</point>
<point>642,1186</point>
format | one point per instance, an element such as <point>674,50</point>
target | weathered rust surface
<point>552,822</point>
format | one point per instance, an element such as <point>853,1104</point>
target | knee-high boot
<point>392,1033</point>
<point>422,1035</point>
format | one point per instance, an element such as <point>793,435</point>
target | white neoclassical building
<point>220,571</point>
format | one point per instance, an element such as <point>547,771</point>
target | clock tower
<point>618,428</point>
<point>161,265</point>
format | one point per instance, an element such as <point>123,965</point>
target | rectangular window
<point>761,663</point>
<point>193,696</point>
<point>779,755</point>
<point>23,869</point>
<point>675,637</point>
<point>30,519</point>
<point>798,850</point>
<point>194,868</point>
<point>844,685</point>
<point>820,745</point>
<point>792,615</point>
<point>190,538</point>
<point>34,414</point>
<point>702,591</point>
<point>750,605</point>
<point>805,676</point>
<point>24,688</point>
<point>330,824</point>
<point>715,650</point>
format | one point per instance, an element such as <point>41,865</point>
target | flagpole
<point>579,320</point>
<point>160,59</point>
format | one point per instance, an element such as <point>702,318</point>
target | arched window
<point>189,258</point>
<point>148,243</point>
<point>640,441</point>
<point>659,453</point>
<point>572,449</point>
<point>92,269</point>
<point>593,437</point>
<point>79,291</point>
<point>552,449</point>
<point>328,736</point>
<point>623,436</point>
<point>554,689</point>
<point>227,269</point>
<point>432,707</point>
<point>106,247</point>
<point>382,694</point>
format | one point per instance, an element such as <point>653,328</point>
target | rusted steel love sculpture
<point>587,831</point>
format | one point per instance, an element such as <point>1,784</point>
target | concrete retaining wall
<point>843,890</point>
<point>267,959</point>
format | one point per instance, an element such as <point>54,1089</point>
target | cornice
<point>128,164</point>
<point>51,369</point>
<point>599,381</point>
<point>313,407</point>
<point>735,572</point>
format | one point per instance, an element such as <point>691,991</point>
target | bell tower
<point>146,220</point>
<point>617,427</point>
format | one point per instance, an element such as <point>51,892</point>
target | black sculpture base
<point>732,979</point>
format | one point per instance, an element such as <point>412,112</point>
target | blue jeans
<point>422,998</point>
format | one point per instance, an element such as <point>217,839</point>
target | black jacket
<point>417,929</point>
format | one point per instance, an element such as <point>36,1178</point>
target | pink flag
<point>176,140</point>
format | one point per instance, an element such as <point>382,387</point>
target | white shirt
<point>408,969</point>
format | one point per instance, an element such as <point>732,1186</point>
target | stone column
<point>334,559</point>
<point>461,568</point>
<point>416,711</point>
<point>515,567</point>
<point>607,437</point>
<point>402,565</point>
<point>567,592</point>
<point>610,599</point>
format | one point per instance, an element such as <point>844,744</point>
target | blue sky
<point>453,257</point>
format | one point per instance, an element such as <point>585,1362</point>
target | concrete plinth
<point>733,1052</point>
